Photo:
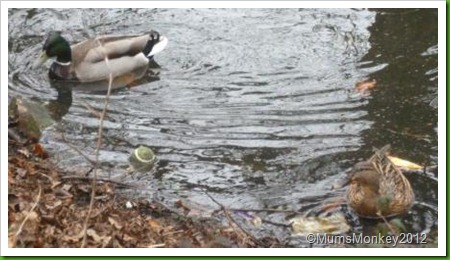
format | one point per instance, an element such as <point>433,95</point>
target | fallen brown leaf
<point>115,223</point>
<point>24,152</point>
<point>365,85</point>
<point>12,240</point>
<point>128,238</point>
<point>104,240</point>
<point>155,225</point>
<point>40,151</point>
<point>75,238</point>
<point>21,172</point>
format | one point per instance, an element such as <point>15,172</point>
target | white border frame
<point>227,251</point>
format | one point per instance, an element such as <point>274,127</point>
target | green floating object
<point>143,158</point>
<point>398,224</point>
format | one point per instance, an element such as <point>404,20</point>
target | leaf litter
<point>47,209</point>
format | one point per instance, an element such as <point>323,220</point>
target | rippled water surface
<point>256,106</point>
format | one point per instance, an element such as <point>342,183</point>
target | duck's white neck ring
<point>63,63</point>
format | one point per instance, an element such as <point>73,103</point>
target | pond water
<point>256,106</point>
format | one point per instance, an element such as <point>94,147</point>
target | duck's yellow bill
<point>39,61</point>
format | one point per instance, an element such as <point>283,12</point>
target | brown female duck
<point>378,188</point>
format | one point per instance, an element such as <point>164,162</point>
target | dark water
<point>256,106</point>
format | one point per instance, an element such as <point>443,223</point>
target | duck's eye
<point>355,180</point>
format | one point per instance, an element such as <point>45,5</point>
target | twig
<point>99,143</point>
<point>276,223</point>
<point>90,109</point>
<point>387,223</point>
<point>265,210</point>
<point>170,210</point>
<point>63,137</point>
<point>404,133</point>
<point>46,176</point>
<point>14,136</point>
<point>232,221</point>
<point>157,245</point>
<point>173,233</point>
<point>327,206</point>
<point>29,212</point>
<point>83,178</point>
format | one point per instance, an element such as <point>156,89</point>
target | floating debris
<point>333,224</point>
<point>365,85</point>
<point>404,164</point>
<point>143,158</point>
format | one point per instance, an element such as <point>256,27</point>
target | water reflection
<point>60,106</point>
<point>401,105</point>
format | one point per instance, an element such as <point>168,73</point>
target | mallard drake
<point>85,61</point>
<point>378,188</point>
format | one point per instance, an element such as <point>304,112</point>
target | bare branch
<point>99,143</point>
<point>82,178</point>
<point>29,212</point>
<point>234,223</point>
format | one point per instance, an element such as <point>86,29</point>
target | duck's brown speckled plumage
<point>378,188</point>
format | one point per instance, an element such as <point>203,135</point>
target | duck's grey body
<point>85,61</point>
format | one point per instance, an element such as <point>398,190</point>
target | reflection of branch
<point>232,221</point>
<point>99,142</point>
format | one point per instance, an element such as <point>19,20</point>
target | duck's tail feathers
<point>381,154</point>
<point>155,44</point>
